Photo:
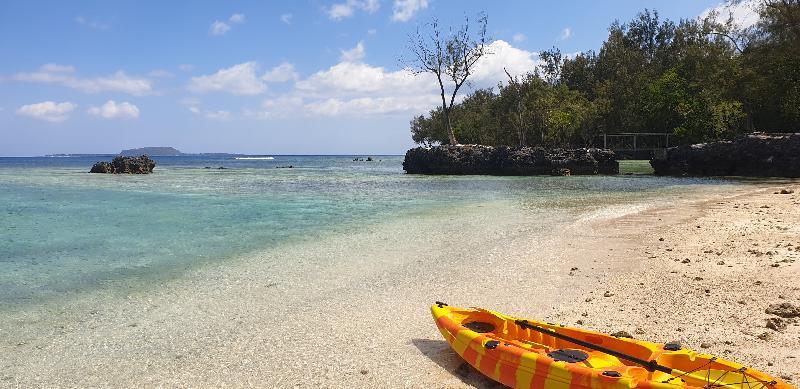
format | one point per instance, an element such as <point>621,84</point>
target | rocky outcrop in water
<point>125,165</point>
<point>508,161</point>
<point>754,155</point>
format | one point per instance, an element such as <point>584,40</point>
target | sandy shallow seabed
<point>353,311</point>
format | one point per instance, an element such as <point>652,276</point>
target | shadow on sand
<point>440,352</point>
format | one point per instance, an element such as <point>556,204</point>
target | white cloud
<point>63,75</point>
<point>281,73</point>
<point>221,28</point>
<point>114,110</point>
<point>56,68</point>
<point>566,34</point>
<point>283,102</point>
<point>160,73</point>
<point>489,70</point>
<point>358,89</point>
<point>48,111</point>
<point>354,88</point>
<point>356,54</point>
<point>190,101</point>
<point>373,105</point>
<point>370,6</point>
<point>359,79</point>
<point>519,37</point>
<point>283,106</point>
<point>404,10</point>
<point>185,67</point>
<point>239,79</point>
<point>91,23</point>
<point>193,105</point>
<point>339,11</point>
<point>243,79</point>
<point>744,14</point>
<point>286,18</point>
<point>218,115</point>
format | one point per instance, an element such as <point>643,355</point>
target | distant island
<point>160,151</point>
<point>157,151</point>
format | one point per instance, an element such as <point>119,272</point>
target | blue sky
<point>294,77</point>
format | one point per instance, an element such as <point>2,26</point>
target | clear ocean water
<point>64,231</point>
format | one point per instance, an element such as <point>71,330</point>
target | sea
<point>64,231</point>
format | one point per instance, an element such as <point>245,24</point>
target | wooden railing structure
<point>635,145</point>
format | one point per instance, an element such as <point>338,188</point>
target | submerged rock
<point>754,155</point>
<point>508,161</point>
<point>125,165</point>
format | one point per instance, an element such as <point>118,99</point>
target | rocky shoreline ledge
<point>752,155</point>
<point>508,161</point>
<point>125,165</point>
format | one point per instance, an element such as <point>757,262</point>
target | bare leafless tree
<point>450,58</point>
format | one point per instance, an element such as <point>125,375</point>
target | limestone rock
<point>126,165</point>
<point>753,155</point>
<point>508,161</point>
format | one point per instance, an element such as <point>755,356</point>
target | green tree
<point>701,80</point>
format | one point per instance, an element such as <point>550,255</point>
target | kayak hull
<point>519,357</point>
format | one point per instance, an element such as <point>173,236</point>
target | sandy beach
<point>701,270</point>
<point>275,194</point>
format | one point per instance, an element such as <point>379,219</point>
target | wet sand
<point>353,310</point>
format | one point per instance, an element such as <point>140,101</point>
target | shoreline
<point>365,321</point>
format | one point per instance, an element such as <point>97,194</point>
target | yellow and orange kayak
<point>532,354</point>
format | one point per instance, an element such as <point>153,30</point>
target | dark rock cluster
<point>785,310</point>
<point>126,165</point>
<point>753,155</point>
<point>508,161</point>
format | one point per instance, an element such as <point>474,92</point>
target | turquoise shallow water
<point>64,231</point>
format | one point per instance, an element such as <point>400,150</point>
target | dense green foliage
<point>699,80</point>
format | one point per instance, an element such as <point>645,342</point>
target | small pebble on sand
<point>776,324</point>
